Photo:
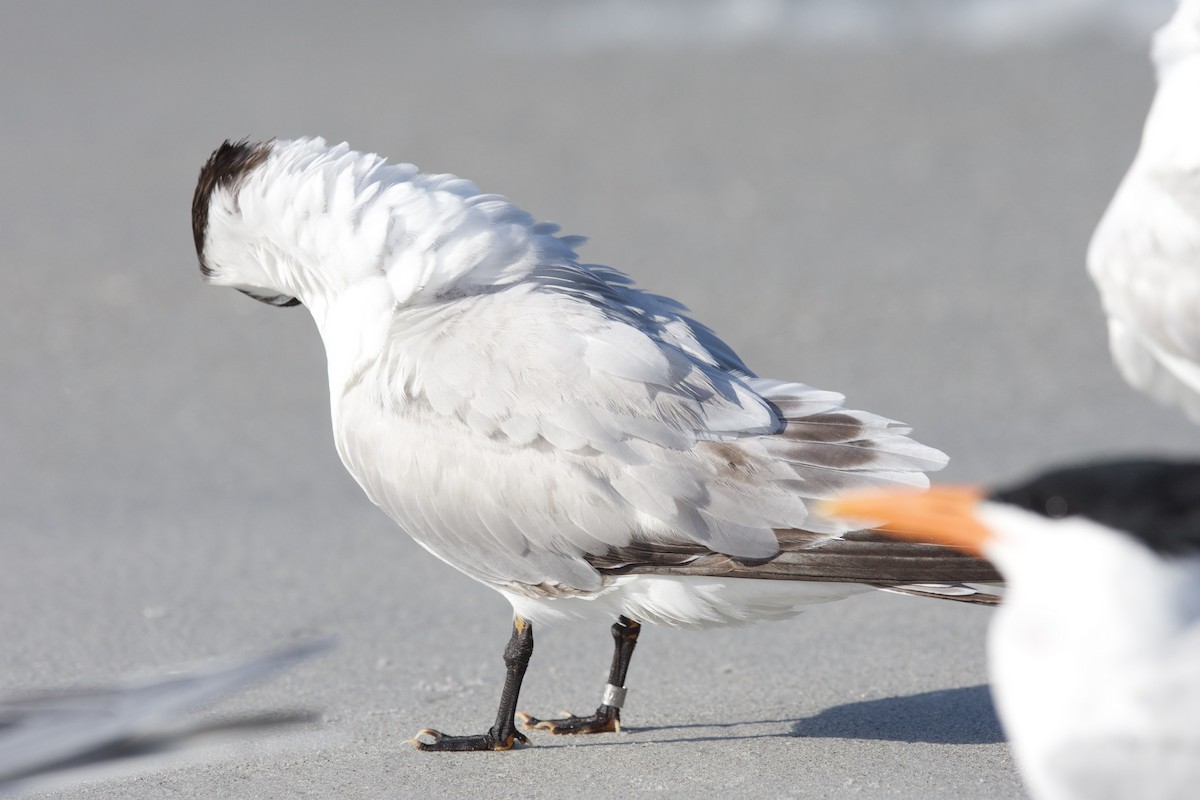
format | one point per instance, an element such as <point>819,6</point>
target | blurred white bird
<point>572,442</point>
<point>1145,253</point>
<point>1095,654</point>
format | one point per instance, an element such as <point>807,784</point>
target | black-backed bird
<point>1095,654</point>
<point>579,445</point>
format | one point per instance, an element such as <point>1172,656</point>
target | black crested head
<point>1156,502</point>
<point>226,168</point>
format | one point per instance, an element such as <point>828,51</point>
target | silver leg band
<point>613,695</point>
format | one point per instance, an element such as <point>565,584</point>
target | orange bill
<point>944,515</point>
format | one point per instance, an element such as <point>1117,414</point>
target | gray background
<point>902,221</point>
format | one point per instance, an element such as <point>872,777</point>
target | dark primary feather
<point>856,557</point>
<point>1157,502</point>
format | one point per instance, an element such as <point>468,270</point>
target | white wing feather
<point>562,418</point>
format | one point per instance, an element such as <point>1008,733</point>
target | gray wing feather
<point>857,557</point>
<point>570,414</point>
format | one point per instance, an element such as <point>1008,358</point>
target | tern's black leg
<point>608,716</point>
<point>504,734</point>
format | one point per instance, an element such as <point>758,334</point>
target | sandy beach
<point>905,224</point>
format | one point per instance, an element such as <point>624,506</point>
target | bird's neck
<point>354,325</point>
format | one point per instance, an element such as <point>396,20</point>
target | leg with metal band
<point>608,716</point>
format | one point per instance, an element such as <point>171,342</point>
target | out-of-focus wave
<point>582,26</point>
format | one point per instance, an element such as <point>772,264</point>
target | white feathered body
<point>1145,253</point>
<point>1095,660</point>
<point>516,411</point>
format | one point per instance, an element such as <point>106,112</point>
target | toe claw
<point>416,742</point>
<point>515,741</point>
<point>530,723</point>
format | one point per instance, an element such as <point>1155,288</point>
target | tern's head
<point>299,221</point>
<point>1102,571</point>
<point>216,201</point>
<point>1099,525</point>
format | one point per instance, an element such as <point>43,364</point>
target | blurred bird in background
<point>51,736</point>
<point>580,446</point>
<point>1095,654</point>
<point>1145,253</point>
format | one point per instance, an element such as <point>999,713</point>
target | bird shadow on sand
<point>948,716</point>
